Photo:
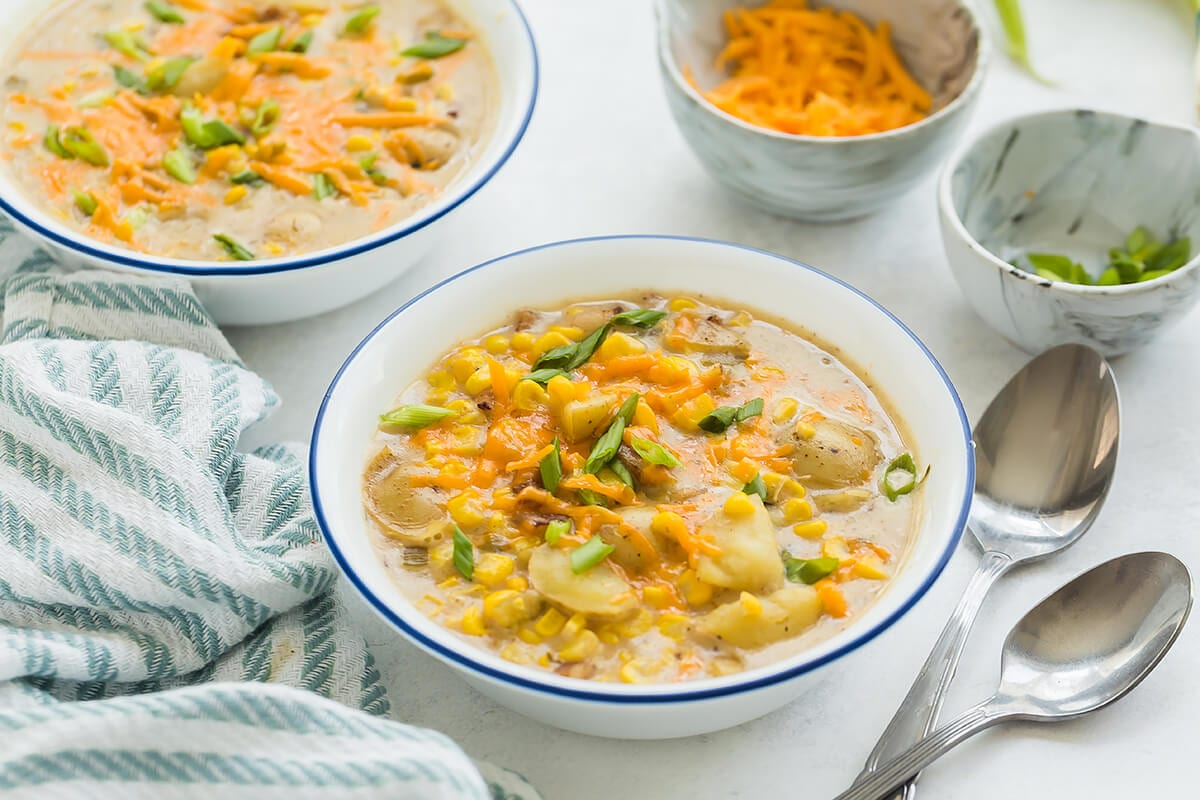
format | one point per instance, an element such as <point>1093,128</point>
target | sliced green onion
<point>322,186</point>
<point>95,99</point>
<point>551,469</point>
<point>807,570</point>
<point>590,498</point>
<point>589,554</point>
<point>1009,12</point>
<point>265,42</point>
<point>464,554</point>
<point>434,46</point>
<point>302,42</point>
<point>654,452</point>
<point>178,165</point>
<point>557,529</point>
<point>622,472</point>
<point>235,251</point>
<point>415,416</point>
<point>246,176</point>
<point>168,73</point>
<point>543,376</point>
<point>903,465</point>
<point>756,486</point>
<point>207,134</point>
<point>569,356</point>
<point>751,409</point>
<point>607,445</point>
<point>137,217</point>
<point>85,201</point>
<point>164,12</point>
<point>129,44</point>
<point>639,318</point>
<point>80,143</point>
<point>265,118</point>
<point>361,19</point>
<point>377,176</point>
<point>52,141</point>
<point>129,79</point>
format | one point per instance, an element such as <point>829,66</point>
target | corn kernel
<point>529,396</point>
<point>689,414</point>
<point>492,568</point>
<point>811,530</point>
<point>521,341</point>
<point>635,625</point>
<point>517,583</point>
<point>785,409</point>
<point>441,380</point>
<point>744,471</point>
<point>464,509</point>
<point>619,344</point>
<point>549,341</point>
<point>574,625</point>
<point>550,623</point>
<point>468,440</point>
<point>871,568</point>
<point>695,591</point>
<point>681,304</point>
<point>607,635</point>
<point>441,558</point>
<point>466,362</point>
<point>479,380</point>
<point>560,390</point>
<point>517,654</point>
<point>570,331</point>
<point>506,608</point>
<point>804,430</point>
<point>796,510</point>
<point>635,672</point>
<point>794,488</point>
<point>583,646</point>
<point>528,635</point>
<point>644,416</point>
<point>496,344</point>
<point>739,504</point>
<point>235,194</point>
<point>472,621</point>
<point>544,660</point>
<point>835,547</point>
<point>751,604</point>
<point>357,144</point>
<point>673,626</point>
<point>656,596</point>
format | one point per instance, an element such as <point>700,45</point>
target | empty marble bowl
<point>1074,182</point>
<point>824,178</point>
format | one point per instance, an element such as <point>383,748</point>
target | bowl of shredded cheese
<point>825,111</point>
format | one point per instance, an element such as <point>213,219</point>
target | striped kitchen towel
<point>167,625</point>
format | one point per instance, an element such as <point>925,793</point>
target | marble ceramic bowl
<point>412,338</point>
<point>1074,182</point>
<point>824,178</point>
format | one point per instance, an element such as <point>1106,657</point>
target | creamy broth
<point>326,132</point>
<point>737,545</point>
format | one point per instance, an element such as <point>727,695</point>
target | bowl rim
<point>949,212</point>
<point>667,59</point>
<point>461,655</point>
<point>460,195</point>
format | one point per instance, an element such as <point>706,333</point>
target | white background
<point>602,156</point>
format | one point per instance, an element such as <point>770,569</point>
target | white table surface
<point>602,156</point>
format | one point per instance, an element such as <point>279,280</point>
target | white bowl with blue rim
<point>270,290</point>
<point>404,346</point>
<point>825,178</point>
<point>1071,182</point>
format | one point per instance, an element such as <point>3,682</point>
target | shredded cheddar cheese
<point>814,72</point>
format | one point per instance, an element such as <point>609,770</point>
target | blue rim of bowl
<point>764,681</point>
<point>242,268</point>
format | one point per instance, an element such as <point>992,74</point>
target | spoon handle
<point>892,775</point>
<point>918,713</point>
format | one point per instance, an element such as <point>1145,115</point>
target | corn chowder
<point>641,491</point>
<point>242,129</point>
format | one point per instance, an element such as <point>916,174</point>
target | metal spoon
<point>1045,452</point>
<point>1083,647</point>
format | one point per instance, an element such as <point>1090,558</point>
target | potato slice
<point>600,592</point>
<point>784,614</point>
<point>749,554</point>
<point>837,454</point>
<point>711,338</point>
<point>404,512</point>
<point>582,419</point>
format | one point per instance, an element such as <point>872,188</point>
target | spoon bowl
<point>1045,454</point>
<point>1094,640</point>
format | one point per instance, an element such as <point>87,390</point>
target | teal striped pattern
<point>168,625</point>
